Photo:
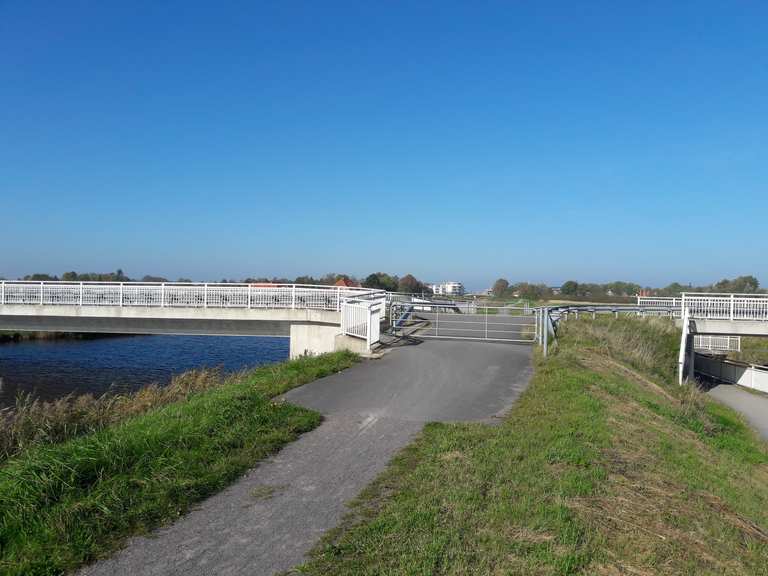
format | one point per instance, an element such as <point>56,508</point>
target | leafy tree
<point>40,277</point>
<point>500,287</point>
<point>381,281</point>
<point>154,279</point>
<point>411,285</point>
<point>570,288</point>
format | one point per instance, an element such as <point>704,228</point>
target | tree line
<point>502,288</point>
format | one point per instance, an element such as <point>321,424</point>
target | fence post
<point>205,295</point>
<point>121,294</point>
<point>249,296</point>
<point>486,323</point>
<point>546,330</point>
<point>733,296</point>
<point>293,297</point>
<point>81,293</point>
<point>41,293</point>
<point>2,292</point>
<point>162,295</point>
<point>338,298</point>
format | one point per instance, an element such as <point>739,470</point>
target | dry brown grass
<point>651,522</point>
<point>32,421</point>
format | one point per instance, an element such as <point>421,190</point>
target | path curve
<point>268,520</point>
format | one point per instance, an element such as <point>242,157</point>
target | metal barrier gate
<point>464,321</point>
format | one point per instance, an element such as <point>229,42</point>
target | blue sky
<point>538,141</point>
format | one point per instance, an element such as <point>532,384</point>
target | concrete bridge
<point>713,314</point>
<point>316,318</point>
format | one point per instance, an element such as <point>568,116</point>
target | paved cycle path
<point>753,405</point>
<point>269,519</point>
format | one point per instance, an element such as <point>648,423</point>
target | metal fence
<point>183,295</point>
<point>464,321</point>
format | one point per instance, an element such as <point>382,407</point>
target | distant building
<point>556,290</point>
<point>447,288</point>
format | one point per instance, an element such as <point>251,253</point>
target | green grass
<point>65,504</point>
<point>753,350</point>
<point>602,467</point>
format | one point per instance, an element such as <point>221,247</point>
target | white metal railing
<point>361,318</point>
<point>726,306</point>
<point>711,343</point>
<point>182,295</point>
<point>659,301</point>
<point>707,305</point>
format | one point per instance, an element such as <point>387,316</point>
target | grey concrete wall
<point>135,320</point>
<point>735,328</point>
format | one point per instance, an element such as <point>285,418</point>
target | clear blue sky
<point>539,141</point>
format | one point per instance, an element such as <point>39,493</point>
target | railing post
<point>293,297</point>
<point>41,293</point>
<point>205,295</point>
<point>162,295</point>
<point>249,295</point>
<point>338,298</point>
<point>121,294</point>
<point>486,323</point>
<point>545,314</point>
<point>2,292</point>
<point>81,293</point>
<point>733,302</point>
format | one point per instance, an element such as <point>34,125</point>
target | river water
<point>53,368</point>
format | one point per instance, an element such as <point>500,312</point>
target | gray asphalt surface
<point>267,521</point>
<point>753,405</point>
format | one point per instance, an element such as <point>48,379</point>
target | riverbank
<point>604,466</point>
<point>63,504</point>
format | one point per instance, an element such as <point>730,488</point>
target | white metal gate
<point>464,321</point>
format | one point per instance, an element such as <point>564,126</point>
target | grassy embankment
<point>604,466</point>
<point>66,503</point>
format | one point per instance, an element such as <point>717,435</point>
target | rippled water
<point>54,368</point>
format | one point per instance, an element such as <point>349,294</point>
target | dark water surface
<point>54,368</point>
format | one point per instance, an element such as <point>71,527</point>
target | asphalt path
<point>266,522</point>
<point>753,405</point>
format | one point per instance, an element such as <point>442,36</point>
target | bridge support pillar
<point>314,339</point>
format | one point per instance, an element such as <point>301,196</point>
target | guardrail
<point>181,295</point>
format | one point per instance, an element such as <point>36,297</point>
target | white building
<point>448,289</point>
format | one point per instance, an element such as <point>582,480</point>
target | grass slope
<point>65,504</point>
<point>602,467</point>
